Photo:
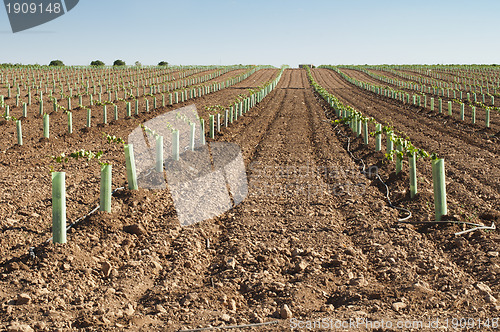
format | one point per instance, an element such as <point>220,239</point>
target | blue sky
<point>262,32</point>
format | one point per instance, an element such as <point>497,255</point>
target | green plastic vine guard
<point>58,207</point>
<point>462,111</point>
<point>41,107</point>
<point>413,175</point>
<point>439,184</point>
<point>432,104</point>
<point>129,110</point>
<point>105,195</point>
<point>212,126</point>
<point>46,123</point>
<point>389,143</point>
<point>89,117</point>
<point>202,131</point>
<point>399,160</point>
<point>54,105</point>
<point>116,112</point>
<point>70,122</point>
<point>192,133</point>
<point>25,110</point>
<point>473,111</point>
<point>69,103</point>
<point>19,131</point>
<point>440,105</point>
<point>226,118</point>
<point>450,108</point>
<point>130,166</point>
<point>218,122</point>
<point>159,153</point>
<point>378,137</point>
<point>175,145</point>
<point>236,112</point>
<point>487,118</point>
<point>147,105</point>
<point>365,132</point>
<point>104,115</point>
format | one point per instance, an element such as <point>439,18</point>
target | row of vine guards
<point>404,148</point>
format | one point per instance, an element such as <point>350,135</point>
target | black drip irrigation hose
<point>364,172</point>
<point>405,219</point>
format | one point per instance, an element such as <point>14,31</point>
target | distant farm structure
<point>306,65</point>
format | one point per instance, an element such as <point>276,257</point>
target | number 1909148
<point>33,8</point>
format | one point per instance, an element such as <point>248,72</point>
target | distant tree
<point>97,63</point>
<point>138,64</point>
<point>163,63</point>
<point>119,63</point>
<point>57,63</point>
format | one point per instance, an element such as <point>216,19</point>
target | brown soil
<point>314,234</point>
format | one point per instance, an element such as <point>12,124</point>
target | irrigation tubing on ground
<point>405,219</point>
<point>387,192</point>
